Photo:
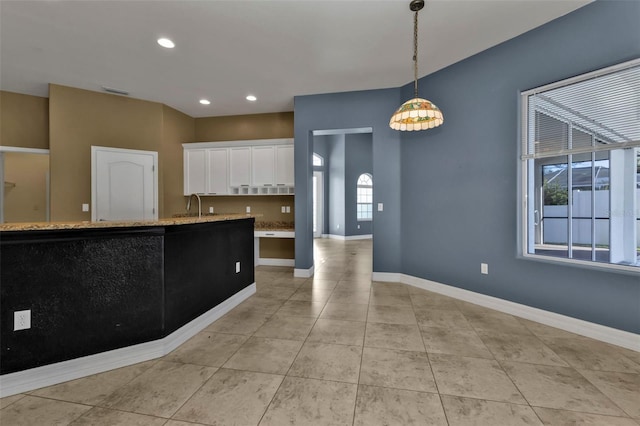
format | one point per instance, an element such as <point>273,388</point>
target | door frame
<point>94,178</point>
<point>319,175</point>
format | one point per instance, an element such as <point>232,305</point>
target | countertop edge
<point>52,226</point>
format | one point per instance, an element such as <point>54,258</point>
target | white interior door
<point>124,184</point>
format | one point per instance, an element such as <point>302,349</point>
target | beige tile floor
<point>340,349</point>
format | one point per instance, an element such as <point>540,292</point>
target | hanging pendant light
<point>416,113</point>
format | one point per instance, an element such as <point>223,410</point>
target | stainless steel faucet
<point>199,204</point>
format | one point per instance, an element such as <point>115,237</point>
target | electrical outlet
<point>380,207</point>
<point>237,267</point>
<point>248,209</point>
<point>210,209</point>
<point>288,209</point>
<point>85,207</point>
<point>21,320</point>
<point>283,209</point>
<point>338,226</point>
<point>358,226</point>
<point>484,268</point>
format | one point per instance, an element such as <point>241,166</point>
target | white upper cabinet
<point>284,165</point>
<point>218,176</point>
<point>255,167</point>
<point>262,166</point>
<point>195,175</point>
<point>240,166</point>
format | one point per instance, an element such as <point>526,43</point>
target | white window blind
<point>597,112</point>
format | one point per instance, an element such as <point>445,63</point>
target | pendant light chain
<point>416,113</point>
<point>415,53</point>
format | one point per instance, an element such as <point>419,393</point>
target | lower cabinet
<point>94,290</point>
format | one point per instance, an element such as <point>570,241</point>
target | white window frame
<point>525,173</point>
<point>318,157</point>
<point>358,203</point>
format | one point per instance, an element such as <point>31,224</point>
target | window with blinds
<point>580,167</point>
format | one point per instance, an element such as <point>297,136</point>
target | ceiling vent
<point>115,91</point>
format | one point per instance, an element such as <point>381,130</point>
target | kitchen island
<point>106,294</point>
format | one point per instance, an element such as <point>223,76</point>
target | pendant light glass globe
<point>416,114</point>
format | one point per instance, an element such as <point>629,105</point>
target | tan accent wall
<point>247,127</point>
<point>24,120</point>
<point>277,248</point>
<point>178,128</point>
<point>244,127</point>
<point>266,205</point>
<point>25,191</point>
<point>79,119</point>
<point>72,120</point>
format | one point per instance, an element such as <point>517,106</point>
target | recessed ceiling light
<point>205,101</point>
<point>165,42</point>
<point>252,98</point>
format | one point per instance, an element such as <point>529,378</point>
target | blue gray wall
<point>459,182</point>
<point>359,160</point>
<point>336,198</point>
<point>321,146</point>
<point>450,194</point>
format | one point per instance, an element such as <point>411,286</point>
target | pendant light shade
<point>416,113</point>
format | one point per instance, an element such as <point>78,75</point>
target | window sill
<point>604,267</point>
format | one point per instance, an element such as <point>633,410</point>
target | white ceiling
<point>226,50</point>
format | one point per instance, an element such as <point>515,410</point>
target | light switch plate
<point>210,209</point>
<point>283,209</point>
<point>484,268</point>
<point>248,209</point>
<point>85,207</point>
<point>380,207</point>
<point>237,267</point>
<point>288,209</point>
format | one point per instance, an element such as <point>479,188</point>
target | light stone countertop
<point>49,226</point>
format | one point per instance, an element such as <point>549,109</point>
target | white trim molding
<point>390,277</point>
<point>23,150</point>
<point>603,333</point>
<point>303,273</point>
<point>348,237</point>
<point>35,378</point>
<point>268,261</point>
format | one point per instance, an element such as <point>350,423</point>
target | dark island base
<point>91,291</point>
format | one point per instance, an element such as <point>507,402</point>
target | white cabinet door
<point>218,175</point>
<point>195,171</point>
<point>240,166</point>
<point>262,166</point>
<point>284,165</point>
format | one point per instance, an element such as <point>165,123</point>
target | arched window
<point>364,197</point>
<point>317,160</point>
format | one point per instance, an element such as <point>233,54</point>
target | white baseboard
<point>35,378</point>
<point>348,237</point>
<point>603,333</point>
<point>360,237</point>
<point>303,273</point>
<point>276,262</point>
<point>391,277</point>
